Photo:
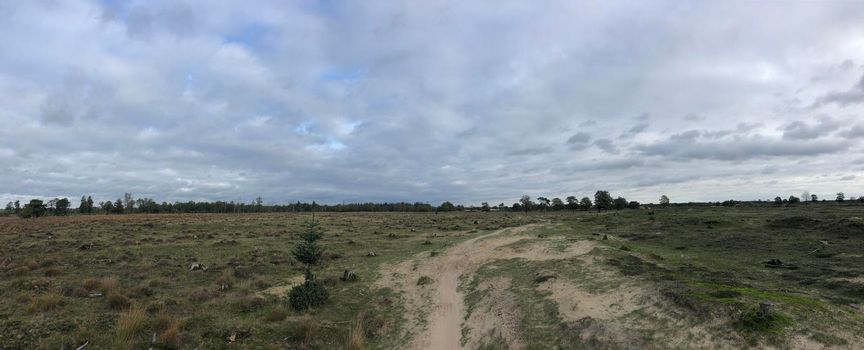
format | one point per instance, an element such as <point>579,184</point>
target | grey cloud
<point>531,151</point>
<point>663,179</point>
<point>856,131</point>
<point>798,130</point>
<point>644,116</point>
<point>853,96</point>
<point>614,164</point>
<point>139,22</point>
<point>606,145</point>
<point>741,148</point>
<point>579,139</point>
<point>635,130</point>
<point>687,136</point>
<point>716,134</point>
<point>768,170</point>
<point>746,127</point>
<point>694,117</point>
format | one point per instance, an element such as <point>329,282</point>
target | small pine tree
<point>308,252</point>
<point>313,232</point>
<point>311,293</point>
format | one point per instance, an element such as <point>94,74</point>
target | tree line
<point>129,205</point>
<point>807,197</point>
<point>602,200</point>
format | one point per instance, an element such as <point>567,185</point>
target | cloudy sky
<point>430,100</point>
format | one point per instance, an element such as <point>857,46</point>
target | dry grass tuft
<point>171,335</point>
<point>163,319</point>
<point>20,271</point>
<point>109,285</point>
<point>130,324</point>
<point>31,264</point>
<point>304,332</point>
<point>91,284</point>
<point>23,298</point>
<point>45,303</point>
<point>357,333</point>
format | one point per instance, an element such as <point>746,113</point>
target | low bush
<point>276,315</point>
<point>117,301</point>
<point>310,294</point>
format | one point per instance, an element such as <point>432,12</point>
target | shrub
<point>201,296</point>
<point>754,320</point>
<point>117,301</point>
<point>91,284</point>
<point>276,315</point>
<point>248,303</point>
<point>424,280</point>
<point>225,280</point>
<point>79,292</point>
<point>308,252</point>
<point>310,294</point>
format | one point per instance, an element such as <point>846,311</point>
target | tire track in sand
<point>445,315</point>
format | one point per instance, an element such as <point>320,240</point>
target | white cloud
<point>474,100</point>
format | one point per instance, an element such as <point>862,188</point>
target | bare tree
<point>128,202</point>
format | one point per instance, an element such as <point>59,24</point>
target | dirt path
<point>445,314</point>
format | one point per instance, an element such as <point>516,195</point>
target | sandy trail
<point>446,314</point>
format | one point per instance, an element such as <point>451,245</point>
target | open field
<point>665,278</point>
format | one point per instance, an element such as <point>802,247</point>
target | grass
<point>357,333</point>
<point>130,324</point>
<point>45,303</point>
<point>145,259</point>
<point>707,258</point>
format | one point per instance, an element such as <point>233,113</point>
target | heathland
<point>676,277</point>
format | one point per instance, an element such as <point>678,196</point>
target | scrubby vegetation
<point>66,280</point>
<point>311,293</point>
<point>216,281</point>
